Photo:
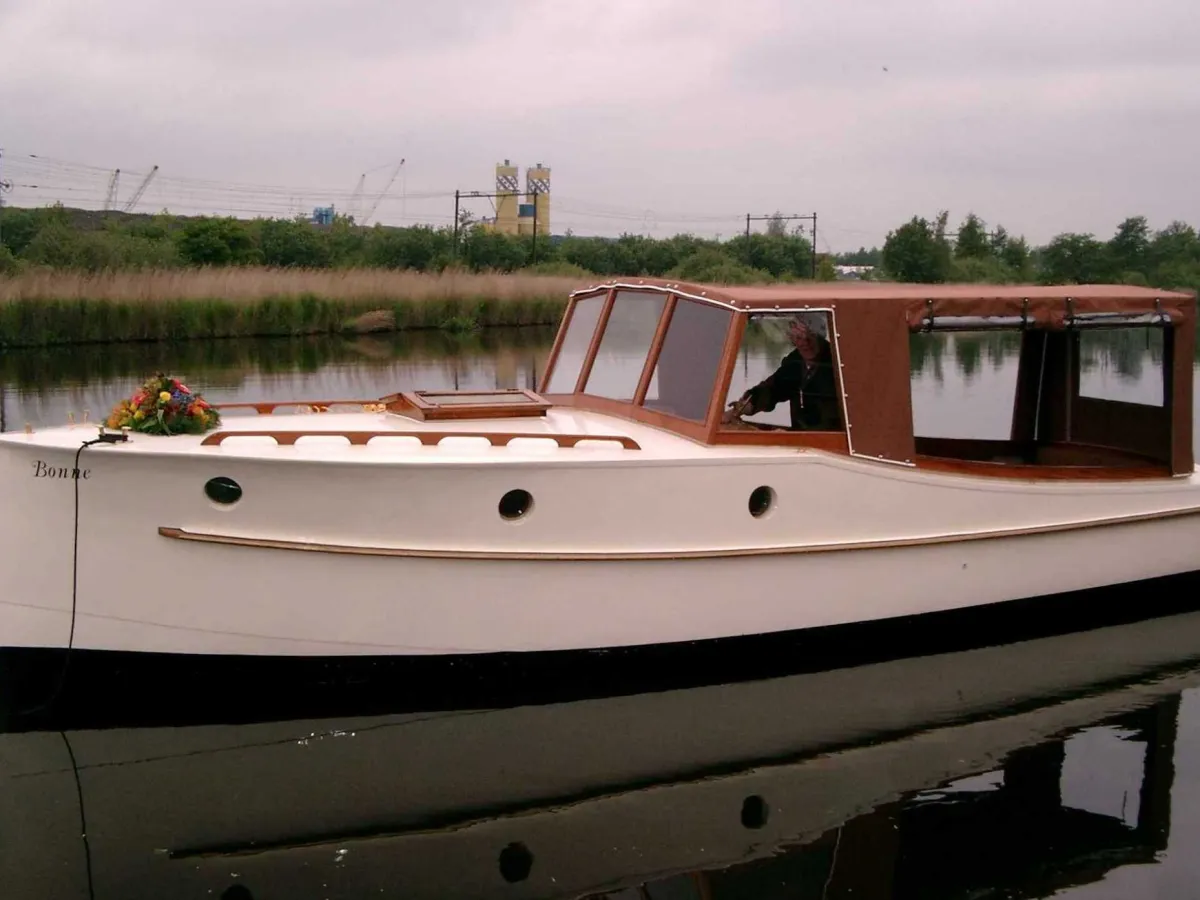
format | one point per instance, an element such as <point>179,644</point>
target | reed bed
<point>44,308</point>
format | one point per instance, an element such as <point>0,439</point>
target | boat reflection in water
<point>931,777</point>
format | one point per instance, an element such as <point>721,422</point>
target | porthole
<point>515,504</point>
<point>516,862</point>
<point>761,500</point>
<point>223,490</point>
<point>754,812</point>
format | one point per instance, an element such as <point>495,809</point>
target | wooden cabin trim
<point>1036,472</point>
<point>585,370</point>
<point>725,368</point>
<point>1179,351</point>
<point>559,338</point>
<point>656,343</point>
<point>183,534</point>
<point>829,441</point>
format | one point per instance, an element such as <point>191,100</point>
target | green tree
<point>1073,259</point>
<point>293,244</point>
<point>18,227</point>
<point>1129,248</point>
<point>917,252</point>
<point>217,242</point>
<point>972,241</point>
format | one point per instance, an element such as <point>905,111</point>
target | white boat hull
<point>408,557</point>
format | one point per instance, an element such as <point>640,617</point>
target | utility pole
<point>813,242</point>
<point>462,195</point>
<point>534,251</point>
<point>5,186</point>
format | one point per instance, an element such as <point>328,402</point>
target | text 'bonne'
<point>43,470</point>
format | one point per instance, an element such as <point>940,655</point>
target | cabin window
<point>621,356</point>
<point>1123,364</point>
<point>781,388</point>
<point>576,341</point>
<point>963,384</point>
<point>1014,397</point>
<point>686,371</point>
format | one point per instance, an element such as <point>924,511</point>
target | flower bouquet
<point>164,405</point>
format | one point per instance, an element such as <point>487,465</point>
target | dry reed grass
<point>249,284</point>
<point>45,307</point>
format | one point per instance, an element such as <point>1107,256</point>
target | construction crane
<point>137,195</point>
<point>110,198</point>
<point>371,211</point>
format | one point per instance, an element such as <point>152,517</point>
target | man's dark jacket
<point>794,379</point>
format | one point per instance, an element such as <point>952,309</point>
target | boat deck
<point>385,437</point>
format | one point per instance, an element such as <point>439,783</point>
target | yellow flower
<point>139,415</point>
<point>164,396</point>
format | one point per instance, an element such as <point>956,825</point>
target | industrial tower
<point>513,216</point>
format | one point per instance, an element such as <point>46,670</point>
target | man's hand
<point>735,411</point>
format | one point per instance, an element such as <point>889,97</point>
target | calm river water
<point>1068,766</point>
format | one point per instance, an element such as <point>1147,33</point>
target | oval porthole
<point>515,504</point>
<point>754,812</point>
<point>761,500</point>
<point>516,862</point>
<point>223,490</point>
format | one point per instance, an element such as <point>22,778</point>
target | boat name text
<point>44,470</point>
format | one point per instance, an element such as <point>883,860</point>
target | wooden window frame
<point>563,330</point>
<point>834,441</point>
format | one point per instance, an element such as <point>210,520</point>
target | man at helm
<point>804,379</point>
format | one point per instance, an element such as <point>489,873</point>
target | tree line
<point>60,238</point>
<point>920,250</point>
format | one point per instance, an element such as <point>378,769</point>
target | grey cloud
<point>660,114</point>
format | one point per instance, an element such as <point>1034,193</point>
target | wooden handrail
<point>427,438</point>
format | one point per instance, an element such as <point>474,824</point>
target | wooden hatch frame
<point>1056,433</point>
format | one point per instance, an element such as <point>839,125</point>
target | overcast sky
<point>655,116</point>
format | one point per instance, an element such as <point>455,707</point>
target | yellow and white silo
<point>507,202</point>
<point>537,192</point>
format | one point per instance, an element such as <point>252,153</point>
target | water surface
<point>1069,768</point>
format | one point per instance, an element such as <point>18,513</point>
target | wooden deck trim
<point>427,438</point>
<point>183,534</point>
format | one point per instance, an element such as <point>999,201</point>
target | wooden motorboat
<point>646,504</point>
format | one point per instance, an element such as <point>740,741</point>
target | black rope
<point>83,829</point>
<point>104,438</point>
